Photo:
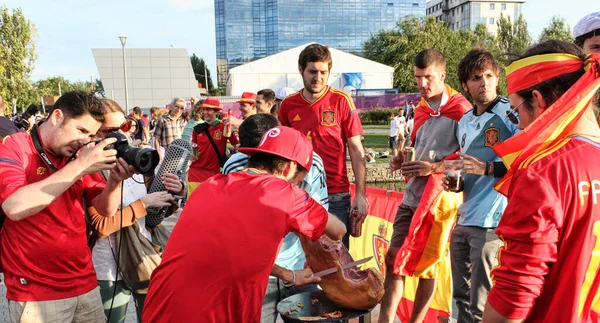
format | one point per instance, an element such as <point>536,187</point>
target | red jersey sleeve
<point>351,124</point>
<point>93,185</point>
<point>306,216</point>
<point>12,170</point>
<point>282,114</point>
<point>530,228</point>
<point>233,139</point>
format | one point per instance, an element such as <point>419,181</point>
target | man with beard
<point>47,264</point>
<point>434,139</point>
<point>474,243</point>
<point>328,118</point>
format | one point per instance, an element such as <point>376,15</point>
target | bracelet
<point>293,282</point>
<point>489,168</point>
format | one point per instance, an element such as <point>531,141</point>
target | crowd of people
<point>75,245</point>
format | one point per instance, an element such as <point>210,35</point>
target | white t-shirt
<point>402,122</point>
<point>410,125</point>
<point>394,126</point>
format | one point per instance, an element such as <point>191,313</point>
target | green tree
<point>98,85</point>
<point>50,86</point>
<point>558,29</point>
<point>399,47</point>
<point>17,57</point>
<point>513,38</point>
<point>198,65</point>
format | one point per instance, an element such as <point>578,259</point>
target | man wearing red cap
<point>329,119</point>
<point>247,104</point>
<point>206,160</point>
<point>217,263</point>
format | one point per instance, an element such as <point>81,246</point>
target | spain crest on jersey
<point>380,247</point>
<point>328,118</point>
<point>218,135</point>
<point>492,137</point>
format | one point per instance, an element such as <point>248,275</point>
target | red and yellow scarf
<point>544,135</point>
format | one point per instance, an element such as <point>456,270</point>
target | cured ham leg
<point>351,287</point>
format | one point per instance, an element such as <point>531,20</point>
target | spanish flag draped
<point>427,242</point>
<point>544,135</point>
<point>374,242</point>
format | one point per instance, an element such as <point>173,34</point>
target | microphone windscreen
<point>176,160</point>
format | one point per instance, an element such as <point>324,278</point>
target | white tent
<point>281,70</point>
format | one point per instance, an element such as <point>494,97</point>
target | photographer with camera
<point>106,234</point>
<point>48,270</point>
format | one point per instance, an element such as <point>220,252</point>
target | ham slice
<point>351,287</point>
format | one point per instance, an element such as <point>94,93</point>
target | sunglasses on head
<point>513,114</point>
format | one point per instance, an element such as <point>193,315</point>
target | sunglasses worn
<point>126,126</point>
<point>513,114</point>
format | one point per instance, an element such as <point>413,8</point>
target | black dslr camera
<point>144,160</point>
<point>23,120</point>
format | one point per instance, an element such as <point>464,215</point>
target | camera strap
<point>37,143</point>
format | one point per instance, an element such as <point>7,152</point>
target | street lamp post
<point>123,41</point>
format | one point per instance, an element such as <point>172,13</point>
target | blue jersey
<point>477,134</point>
<point>290,254</point>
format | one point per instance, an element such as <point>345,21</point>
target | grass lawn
<point>380,143</point>
<point>379,126</point>
<point>376,141</point>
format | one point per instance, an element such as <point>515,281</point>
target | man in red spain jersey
<point>205,160</point>
<point>216,265</point>
<point>330,121</point>
<point>548,266</point>
<point>48,267</point>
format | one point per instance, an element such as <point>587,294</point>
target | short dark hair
<point>553,88</point>
<point>253,127</point>
<point>74,104</point>
<point>137,111</point>
<point>430,57</point>
<point>477,60</point>
<point>271,163</point>
<point>268,95</point>
<point>315,53</point>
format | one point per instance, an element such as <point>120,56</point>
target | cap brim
<point>247,101</point>
<point>252,151</point>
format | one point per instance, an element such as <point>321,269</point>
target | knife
<point>346,266</point>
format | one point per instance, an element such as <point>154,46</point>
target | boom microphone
<point>177,158</point>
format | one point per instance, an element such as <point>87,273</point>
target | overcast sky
<point>68,29</point>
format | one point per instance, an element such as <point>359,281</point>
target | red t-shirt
<point>328,123</point>
<point>45,256</point>
<point>216,265</point>
<point>547,271</point>
<point>207,164</point>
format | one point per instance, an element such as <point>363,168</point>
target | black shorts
<point>393,143</point>
<point>404,216</point>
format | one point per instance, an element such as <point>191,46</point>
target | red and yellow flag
<point>374,241</point>
<point>544,135</point>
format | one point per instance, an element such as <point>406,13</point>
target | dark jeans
<point>339,205</point>
<point>122,297</point>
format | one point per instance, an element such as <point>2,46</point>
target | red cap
<point>211,103</point>
<point>284,142</point>
<point>248,97</point>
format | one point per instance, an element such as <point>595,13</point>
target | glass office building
<point>248,30</point>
